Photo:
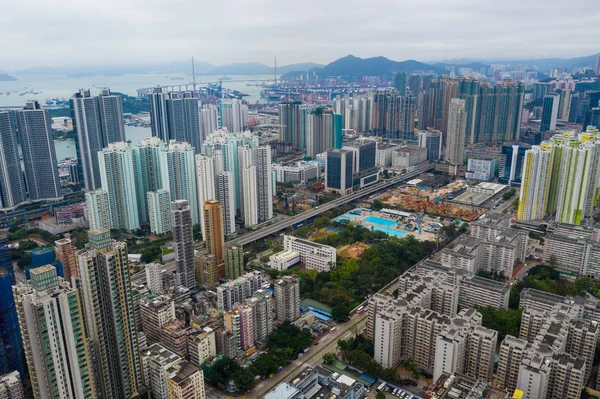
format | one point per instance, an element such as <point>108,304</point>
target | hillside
<point>356,66</point>
<point>6,78</point>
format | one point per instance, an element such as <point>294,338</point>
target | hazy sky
<point>82,32</point>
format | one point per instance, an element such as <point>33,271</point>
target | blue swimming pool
<point>388,231</point>
<point>345,216</point>
<point>380,221</point>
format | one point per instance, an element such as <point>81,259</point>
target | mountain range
<point>6,78</point>
<point>349,65</point>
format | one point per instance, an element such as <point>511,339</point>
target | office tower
<point>457,124</point>
<point>155,313</point>
<point>262,313</point>
<point>118,180</point>
<point>154,280</point>
<point>65,253</point>
<point>432,141</point>
<point>234,115</point>
<point>549,113</point>
<point>574,107</point>
<point>6,259</point>
<point>182,175</point>
<point>234,262</point>
<point>207,273</point>
<point>12,356</point>
<point>39,156</point>
<point>264,180</point>
<point>10,386</point>
<point>206,185</point>
<point>535,186</point>
<point>249,186</point>
<point>292,123</point>
<point>186,382</point>
<point>202,345</point>
<point>400,82</point>
<point>97,209</point>
<point>183,119</point>
<point>215,237</point>
<point>158,114</point>
<point>209,121</point>
<point>98,122</point>
<point>226,196</point>
<point>151,171</point>
<point>287,298</point>
<point>183,242</point>
<point>109,313</point>
<point>338,171</point>
<point>12,187</point>
<point>158,364</point>
<point>159,211</point>
<point>51,318</point>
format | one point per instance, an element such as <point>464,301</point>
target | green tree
<point>329,357</point>
<point>28,245</point>
<point>243,380</point>
<point>340,312</point>
<point>380,395</point>
<point>377,205</point>
<point>266,365</point>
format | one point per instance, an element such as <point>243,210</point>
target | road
<point>313,357</point>
<point>284,224</point>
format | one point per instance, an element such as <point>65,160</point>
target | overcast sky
<point>82,32</point>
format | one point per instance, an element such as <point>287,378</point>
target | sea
<point>50,87</point>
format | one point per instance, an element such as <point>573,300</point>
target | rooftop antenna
<point>275,71</point>
<point>193,75</point>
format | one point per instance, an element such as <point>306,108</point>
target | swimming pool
<point>380,221</point>
<point>388,231</point>
<point>345,216</point>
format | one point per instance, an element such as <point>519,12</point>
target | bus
<point>360,310</point>
<point>381,387</point>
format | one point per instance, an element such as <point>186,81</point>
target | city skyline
<point>257,31</point>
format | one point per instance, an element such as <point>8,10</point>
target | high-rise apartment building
<point>110,316</point>
<point>39,155</point>
<point>158,364</point>
<point>182,175</point>
<point>249,185</point>
<point>202,346</point>
<point>97,209</point>
<point>238,290</point>
<point>215,236</point>
<point>400,80</point>
<point>597,66</point>
<point>65,253</point>
<point>207,270</point>
<point>287,298</point>
<point>264,181</point>
<point>323,132</point>
<point>158,114</point>
<point>183,242</point>
<point>186,382</point>
<point>533,202</point>
<point>11,386</point>
<point>549,113</point>
<point>156,312</point>
<point>292,123</point>
<point>206,186</point>
<point>98,121</point>
<point>52,320</point>
<point>234,261</point>
<point>457,125</point>
<point>154,279</point>
<point>151,172</point>
<point>118,180</point>
<point>262,314</point>
<point>183,119</point>
<point>234,115</point>
<point>159,211</point>
<point>226,195</point>
<point>12,187</point>
<point>209,121</point>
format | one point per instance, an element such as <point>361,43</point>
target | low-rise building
<point>408,157</point>
<point>284,260</point>
<point>301,172</point>
<point>481,169</point>
<point>202,346</point>
<point>313,255</point>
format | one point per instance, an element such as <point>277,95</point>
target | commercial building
<point>364,169</point>
<point>431,140</point>
<point>481,169</point>
<point>51,318</point>
<point>39,155</point>
<point>12,186</point>
<point>155,313</point>
<point>385,154</point>
<point>159,212</point>
<point>157,364</point>
<point>550,113</point>
<point>98,121</point>
<point>287,298</point>
<point>106,290</point>
<point>408,157</point>
<point>339,172</point>
<point>313,255</point>
<point>183,242</point>
<point>207,270</point>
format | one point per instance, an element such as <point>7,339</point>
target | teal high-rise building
<point>400,81</point>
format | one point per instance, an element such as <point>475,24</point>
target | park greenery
<point>505,321</point>
<point>509,194</point>
<point>492,275</point>
<point>285,343</point>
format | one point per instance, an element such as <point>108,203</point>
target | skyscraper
<point>109,315</point>
<point>158,114</point>
<point>97,209</point>
<point>65,253</point>
<point>339,171</point>
<point>183,119</point>
<point>287,297</point>
<point>400,82</point>
<point>249,187</point>
<point>39,156</point>
<point>408,109</point>
<point>549,113</point>
<point>226,197</point>
<point>209,121</point>
<point>535,186</point>
<point>323,131</point>
<point>12,355</point>
<point>215,237</point>
<point>159,211</point>
<point>182,175</point>
<point>98,122</point>
<point>597,66</point>
<point>206,185</point>
<point>12,187</point>
<point>457,125</point>
<point>56,347</point>
<point>118,180</point>
<point>234,115</point>
<point>264,180</point>
<point>183,242</point>
<point>432,141</point>
<point>468,90</point>
<point>151,171</point>
<point>292,123</point>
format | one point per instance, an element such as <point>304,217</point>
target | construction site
<point>433,201</point>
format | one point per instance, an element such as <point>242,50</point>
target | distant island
<point>6,78</point>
